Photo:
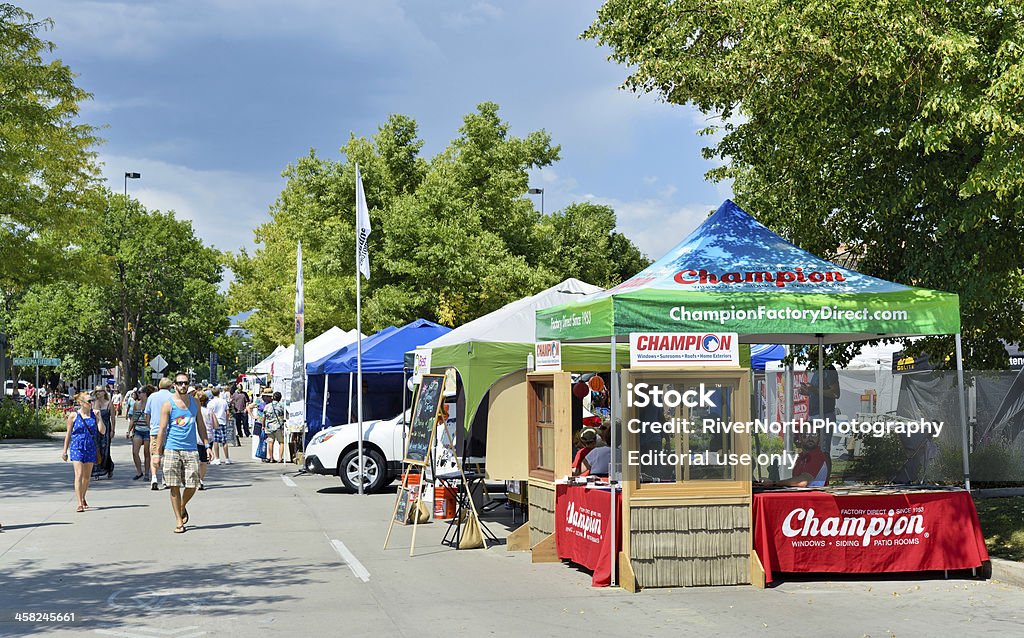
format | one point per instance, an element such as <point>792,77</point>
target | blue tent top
<point>761,353</point>
<point>383,351</point>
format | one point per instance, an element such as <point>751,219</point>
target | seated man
<point>810,469</point>
<point>588,440</point>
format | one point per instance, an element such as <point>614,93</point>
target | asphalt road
<point>295,555</point>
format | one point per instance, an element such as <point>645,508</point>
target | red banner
<point>821,532</point>
<point>582,525</point>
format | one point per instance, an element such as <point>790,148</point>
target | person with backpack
<point>273,425</point>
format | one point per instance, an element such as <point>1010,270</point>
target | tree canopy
<point>47,167</point>
<point>453,236</point>
<point>885,133</point>
<point>161,297</point>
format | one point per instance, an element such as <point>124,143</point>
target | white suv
<point>334,450</point>
<point>22,386</point>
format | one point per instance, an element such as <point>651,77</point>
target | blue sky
<point>211,100</point>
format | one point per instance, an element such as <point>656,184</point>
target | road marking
<point>350,559</point>
<point>150,632</point>
<point>288,481</point>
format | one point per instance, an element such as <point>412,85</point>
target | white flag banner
<point>297,398</point>
<point>362,228</point>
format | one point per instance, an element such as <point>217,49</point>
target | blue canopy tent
<point>762,353</point>
<point>383,376</point>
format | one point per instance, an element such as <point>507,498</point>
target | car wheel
<point>374,473</point>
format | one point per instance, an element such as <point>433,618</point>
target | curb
<point>1008,571</point>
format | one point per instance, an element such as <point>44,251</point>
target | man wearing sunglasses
<point>180,430</point>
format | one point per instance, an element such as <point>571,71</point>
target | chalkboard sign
<point>424,419</point>
<point>402,511</point>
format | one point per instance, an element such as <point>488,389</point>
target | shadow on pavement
<point>222,525</point>
<point>113,507</point>
<point>126,593</point>
<point>32,525</point>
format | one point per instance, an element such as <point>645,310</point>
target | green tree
<point>580,241</point>
<point>162,297</point>
<point>47,167</point>
<point>453,237</point>
<point>67,320</point>
<point>889,132</point>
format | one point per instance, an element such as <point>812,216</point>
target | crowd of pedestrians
<point>175,429</point>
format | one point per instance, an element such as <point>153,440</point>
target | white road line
<point>288,481</point>
<point>350,559</point>
<point>150,632</point>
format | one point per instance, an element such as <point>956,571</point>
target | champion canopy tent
<point>383,379</point>
<point>732,274</point>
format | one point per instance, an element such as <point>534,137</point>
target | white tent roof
<point>263,367</point>
<point>515,322</point>
<point>329,342</point>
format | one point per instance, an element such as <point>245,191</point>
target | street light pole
<point>128,176</point>
<point>125,325</point>
<point>538,191</point>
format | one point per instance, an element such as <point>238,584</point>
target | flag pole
<point>359,346</point>
<point>362,268</point>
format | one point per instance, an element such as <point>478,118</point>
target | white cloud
<point>223,206</point>
<point>137,29</point>
<point>477,14</point>
<point>655,223</point>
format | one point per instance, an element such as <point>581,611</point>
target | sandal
<point>180,529</point>
<point>80,509</point>
<point>137,477</point>
<point>184,516</point>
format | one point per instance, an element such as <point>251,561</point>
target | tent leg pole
<point>963,412</point>
<point>350,419</point>
<point>613,413</point>
<point>323,414</point>
<point>787,403</point>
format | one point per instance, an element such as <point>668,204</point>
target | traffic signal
<point>145,359</point>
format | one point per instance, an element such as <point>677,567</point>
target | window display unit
<point>688,522</point>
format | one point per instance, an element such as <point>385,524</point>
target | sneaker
<point>163,486</point>
<point>215,462</point>
<point>202,486</point>
<point>228,462</point>
<point>153,486</point>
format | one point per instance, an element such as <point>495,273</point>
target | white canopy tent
<point>263,367</point>
<point>280,366</point>
<point>515,322</point>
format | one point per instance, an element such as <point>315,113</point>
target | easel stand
<point>415,506</point>
<point>485,533</point>
<point>427,413</point>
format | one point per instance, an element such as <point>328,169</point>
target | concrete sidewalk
<point>265,552</point>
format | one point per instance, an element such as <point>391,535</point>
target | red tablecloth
<point>582,523</point>
<point>822,532</point>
